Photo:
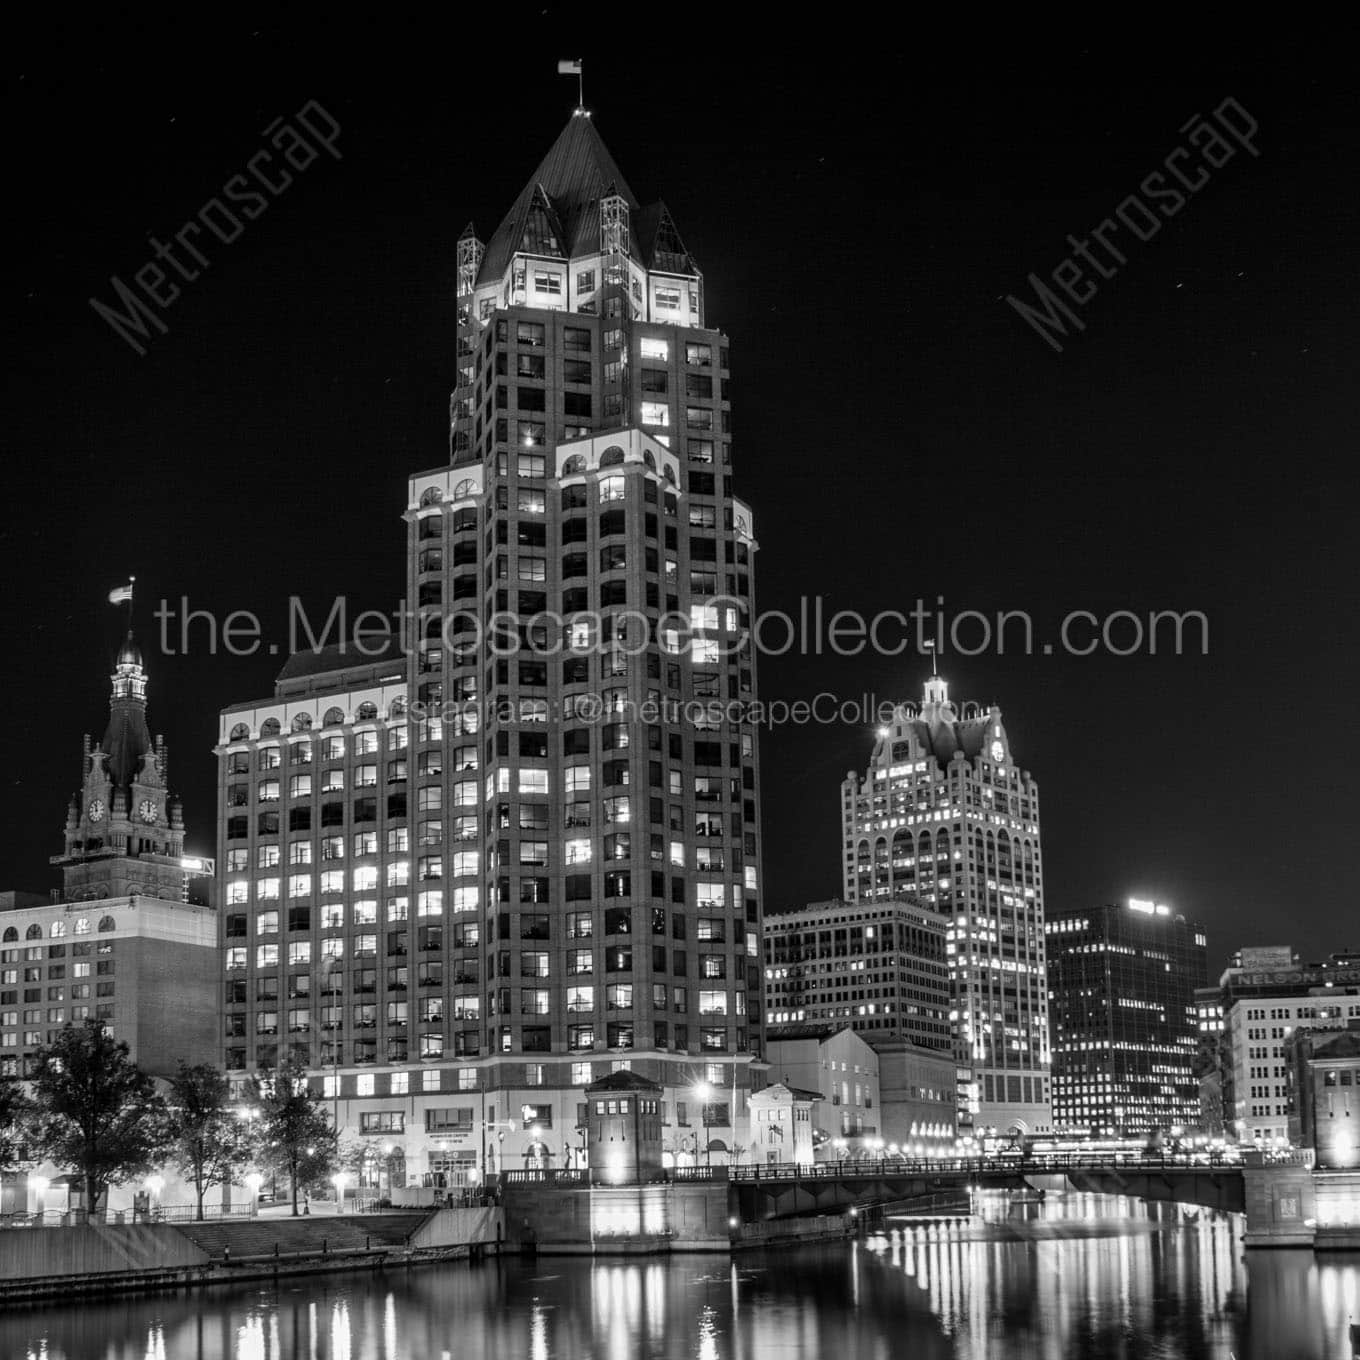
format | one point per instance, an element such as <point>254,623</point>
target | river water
<point>1076,1276</point>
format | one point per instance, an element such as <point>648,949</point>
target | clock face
<point>96,810</point>
<point>998,752</point>
<point>146,810</point>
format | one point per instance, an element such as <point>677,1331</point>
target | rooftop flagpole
<point>123,595</point>
<point>573,68</point>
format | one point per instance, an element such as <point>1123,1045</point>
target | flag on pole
<point>122,594</point>
<point>568,68</point>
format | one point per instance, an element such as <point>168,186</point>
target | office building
<point>945,817</point>
<point>518,848</point>
<point>1126,1024</point>
<point>879,967</point>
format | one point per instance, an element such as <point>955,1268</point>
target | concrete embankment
<point>108,1259</point>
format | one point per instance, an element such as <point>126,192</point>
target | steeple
<point>123,834</point>
<point>127,740</point>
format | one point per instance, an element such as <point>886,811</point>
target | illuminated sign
<point>1147,907</point>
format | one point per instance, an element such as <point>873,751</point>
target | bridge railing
<point>1059,1163</point>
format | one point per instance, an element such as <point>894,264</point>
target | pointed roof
<point>575,174</point>
<point>662,246</point>
<point>127,738</point>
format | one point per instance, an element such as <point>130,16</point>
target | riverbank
<point>107,1259</point>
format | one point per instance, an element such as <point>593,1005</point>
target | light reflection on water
<point>1076,1276</point>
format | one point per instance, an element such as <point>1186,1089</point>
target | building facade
<point>1126,1023</point>
<point>1324,1105</point>
<point>877,966</point>
<point>832,1059</point>
<point>1259,1030</point>
<point>520,848</point>
<point>117,943</point>
<point>781,1126</point>
<point>944,817</point>
<point>917,1096</point>
<point>1251,1071</point>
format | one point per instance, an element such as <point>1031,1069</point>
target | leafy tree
<point>95,1110</point>
<point>13,1111</point>
<point>295,1136</point>
<point>207,1142</point>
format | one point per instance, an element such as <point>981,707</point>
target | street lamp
<point>704,1092</point>
<point>39,1185</point>
<point>253,1182</point>
<point>338,1180</point>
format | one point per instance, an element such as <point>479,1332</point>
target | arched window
<point>612,456</point>
<point>302,723</point>
<point>82,925</point>
<point>333,717</point>
<point>432,495</point>
<point>365,711</point>
<point>467,487</point>
<point>668,472</point>
<point>397,708</point>
<point>240,733</point>
<point>58,929</point>
<point>34,932</point>
<point>649,459</point>
<point>10,934</point>
<point>270,727</point>
<point>576,463</point>
<point>107,923</point>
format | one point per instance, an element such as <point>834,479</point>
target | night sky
<point>861,208</point>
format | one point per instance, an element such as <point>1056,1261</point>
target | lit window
<point>654,349</point>
<point>656,413</point>
<point>578,852</point>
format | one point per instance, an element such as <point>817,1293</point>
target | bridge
<point>757,1193</point>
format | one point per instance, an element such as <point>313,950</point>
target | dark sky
<point>861,207</point>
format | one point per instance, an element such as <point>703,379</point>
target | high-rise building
<point>527,852</point>
<point>879,967</point>
<point>944,817</point>
<point>1126,1024</point>
<point>118,943</point>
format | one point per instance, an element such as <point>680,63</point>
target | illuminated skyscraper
<point>526,853</point>
<point>1126,1031</point>
<point>944,817</point>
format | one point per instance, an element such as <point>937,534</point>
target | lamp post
<point>253,1182</point>
<point>704,1092</point>
<point>338,1180</point>
<point>153,1185</point>
<point>39,1184</point>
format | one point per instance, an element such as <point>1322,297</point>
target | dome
<point>129,654</point>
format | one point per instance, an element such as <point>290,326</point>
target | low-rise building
<point>916,1087</point>
<point>781,1126</point>
<point>834,1060</point>
<point>1324,1105</point>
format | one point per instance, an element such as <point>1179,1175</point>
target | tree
<point>95,1110</point>
<point>13,1112</point>
<point>207,1141</point>
<point>295,1136</point>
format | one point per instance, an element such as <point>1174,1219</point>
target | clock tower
<point>124,834</point>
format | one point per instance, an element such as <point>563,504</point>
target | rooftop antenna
<point>573,68</point>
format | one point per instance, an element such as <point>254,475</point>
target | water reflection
<point>1073,1277</point>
